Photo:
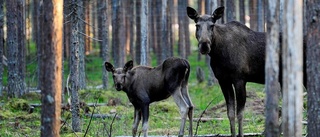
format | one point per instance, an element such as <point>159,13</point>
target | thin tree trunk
<point>292,69</point>
<point>253,15</point>
<point>182,36</point>
<point>74,67</point>
<point>1,43</point>
<point>230,10</point>
<point>12,43</point>
<point>103,21</point>
<point>83,39</point>
<point>272,70</point>
<point>164,31</point>
<point>52,87</point>
<point>138,32</point>
<point>21,45</point>
<point>242,12</point>
<point>144,59</point>
<point>38,22</point>
<point>260,12</point>
<point>313,66</point>
<point>115,31</point>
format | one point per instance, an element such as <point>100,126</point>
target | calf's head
<point>119,74</point>
<point>204,27</point>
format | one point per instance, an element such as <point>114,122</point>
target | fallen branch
<point>103,116</point>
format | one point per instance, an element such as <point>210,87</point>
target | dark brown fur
<point>144,85</point>
<point>237,57</point>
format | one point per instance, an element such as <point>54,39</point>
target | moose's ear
<point>109,67</point>
<point>128,66</point>
<point>192,13</point>
<point>218,13</point>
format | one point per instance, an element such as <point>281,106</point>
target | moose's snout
<point>204,47</point>
<point>118,86</point>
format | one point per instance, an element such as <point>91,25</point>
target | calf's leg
<point>183,106</point>
<point>145,117</point>
<point>186,97</point>
<point>228,94</point>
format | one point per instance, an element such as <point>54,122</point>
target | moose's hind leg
<point>183,106</point>
<point>240,88</point>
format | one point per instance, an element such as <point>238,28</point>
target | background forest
<point>145,31</point>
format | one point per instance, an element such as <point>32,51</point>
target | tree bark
<point>84,40</point>
<point>138,32</point>
<point>1,43</point>
<point>21,45</point>
<point>182,36</point>
<point>230,10</point>
<point>143,22</point>
<point>242,12</point>
<point>292,68</point>
<point>313,66</point>
<point>164,31</point>
<point>260,12</point>
<point>52,80</point>
<point>74,66</point>
<point>14,79</point>
<point>272,70</point>
<point>253,15</point>
<point>103,21</point>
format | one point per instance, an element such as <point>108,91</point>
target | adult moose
<point>144,85</point>
<point>237,57</point>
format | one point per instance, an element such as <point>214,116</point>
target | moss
<point>17,105</point>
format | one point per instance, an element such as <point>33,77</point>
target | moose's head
<point>204,27</point>
<point>119,74</point>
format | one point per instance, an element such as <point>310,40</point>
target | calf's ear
<point>128,66</point>
<point>109,67</point>
<point>192,13</point>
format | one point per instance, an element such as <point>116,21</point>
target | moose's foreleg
<point>136,121</point>
<point>240,88</point>
<point>228,94</point>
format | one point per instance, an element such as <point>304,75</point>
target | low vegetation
<point>113,115</point>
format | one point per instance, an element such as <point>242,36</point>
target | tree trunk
<point>115,32</point>
<point>260,12</point>
<point>14,79</point>
<point>182,36</point>
<point>313,66</point>
<point>21,45</point>
<point>292,69</point>
<point>272,70</point>
<point>253,15</point>
<point>103,21</point>
<point>1,43</point>
<point>84,40</point>
<point>144,59</point>
<point>230,10</point>
<point>164,31</point>
<point>74,66</point>
<point>242,13</point>
<point>52,87</point>
<point>138,32</point>
<point>38,34</point>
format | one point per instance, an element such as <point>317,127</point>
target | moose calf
<point>144,85</point>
